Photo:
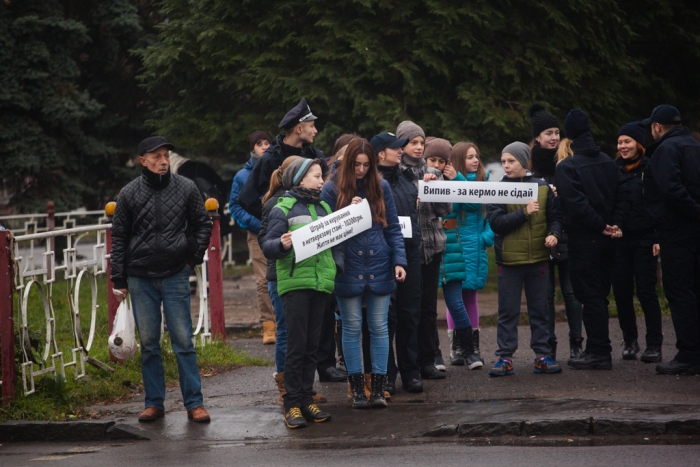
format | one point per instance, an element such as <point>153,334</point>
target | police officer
<point>672,195</point>
<point>300,131</point>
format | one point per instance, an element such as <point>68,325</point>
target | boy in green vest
<point>524,236</point>
<point>304,286</point>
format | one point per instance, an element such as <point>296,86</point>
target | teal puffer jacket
<point>453,267</point>
<point>476,236</point>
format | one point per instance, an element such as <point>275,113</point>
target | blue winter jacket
<point>370,257</point>
<point>241,216</point>
<point>476,236</point>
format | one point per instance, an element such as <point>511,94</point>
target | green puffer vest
<point>314,273</point>
<point>525,245</point>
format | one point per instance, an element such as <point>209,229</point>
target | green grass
<point>58,399</point>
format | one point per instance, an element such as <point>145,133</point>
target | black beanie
<point>541,120</point>
<point>576,124</point>
<point>634,130</point>
<point>257,136</point>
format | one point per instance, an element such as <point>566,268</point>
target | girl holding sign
<point>304,286</point>
<point>453,270</point>
<point>476,236</point>
<point>374,260</point>
<point>524,236</point>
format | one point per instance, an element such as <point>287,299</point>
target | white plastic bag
<point>122,341</point>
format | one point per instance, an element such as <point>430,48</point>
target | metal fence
<point>28,261</point>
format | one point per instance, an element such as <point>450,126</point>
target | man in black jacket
<point>590,188</point>
<point>300,131</point>
<point>160,231</point>
<point>672,195</point>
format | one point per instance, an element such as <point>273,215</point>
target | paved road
<point>204,454</point>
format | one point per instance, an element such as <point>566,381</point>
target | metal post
<point>7,325</point>
<point>112,303</point>
<point>216,282</point>
<point>50,224</point>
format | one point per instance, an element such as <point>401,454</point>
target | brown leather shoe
<point>319,398</point>
<point>199,415</point>
<point>151,414</point>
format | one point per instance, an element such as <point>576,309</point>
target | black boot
<point>376,399</point>
<point>339,344</point>
<point>456,357</point>
<point>477,349</point>
<point>466,342</point>
<point>553,346</point>
<point>576,346</point>
<point>357,387</point>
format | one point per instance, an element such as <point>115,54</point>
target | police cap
<point>299,114</point>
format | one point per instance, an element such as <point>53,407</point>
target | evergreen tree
<point>463,70</point>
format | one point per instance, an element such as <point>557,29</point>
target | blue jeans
<point>452,291</point>
<point>174,293</point>
<point>377,317</point>
<point>281,318</point>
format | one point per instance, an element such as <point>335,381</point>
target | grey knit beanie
<point>437,147</point>
<point>296,172</point>
<point>408,129</point>
<point>520,151</point>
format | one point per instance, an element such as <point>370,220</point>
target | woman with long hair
<point>543,162</point>
<point>476,236</point>
<point>374,260</point>
<point>636,253</point>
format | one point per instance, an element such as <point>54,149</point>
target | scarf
<point>306,195</point>
<point>544,161</point>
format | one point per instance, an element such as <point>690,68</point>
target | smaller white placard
<point>406,228</point>
<point>331,230</point>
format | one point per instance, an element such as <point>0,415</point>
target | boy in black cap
<point>672,196</point>
<point>300,132</point>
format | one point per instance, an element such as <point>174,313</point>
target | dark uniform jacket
<point>406,198</point>
<point>672,182</point>
<point>159,226</point>
<point>259,180</point>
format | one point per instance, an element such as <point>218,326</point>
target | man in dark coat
<point>160,231</point>
<point>300,131</point>
<point>672,196</point>
<point>590,188</point>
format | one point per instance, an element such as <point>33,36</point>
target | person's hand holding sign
<point>286,240</point>
<point>356,200</point>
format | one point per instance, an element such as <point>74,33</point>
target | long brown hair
<point>347,183</point>
<point>458,158</point>
<point>276,178</point>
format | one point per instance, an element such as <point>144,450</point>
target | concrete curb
<point>25,432</point>
<point>567,427</point>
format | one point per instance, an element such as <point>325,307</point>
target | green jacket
<point>519,237</point>
<point>314,273</point>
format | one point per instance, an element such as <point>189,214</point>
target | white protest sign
<point>441,191</point>
<point>405,223</point>
<point>331,230</point>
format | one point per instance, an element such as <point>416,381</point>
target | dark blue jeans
<point>281,318</point>
<point>146,298</point>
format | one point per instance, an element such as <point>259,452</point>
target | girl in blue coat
<point>374,260</point>
<point>453,270</point>
<point>476,236</point>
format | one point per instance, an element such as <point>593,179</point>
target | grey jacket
<point>433,238</point>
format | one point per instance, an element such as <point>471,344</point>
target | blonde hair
<point>276,178</point>
<point>564,150</point>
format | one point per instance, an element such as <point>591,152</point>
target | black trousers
<point>427,325</point>
<point>326,344</point>
<point>591,266</point>
<point>404,317</point>
<point>680,263</point>
<point>635,264</point>
<point>304,310</point>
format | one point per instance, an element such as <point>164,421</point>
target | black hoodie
<point>591,189</point>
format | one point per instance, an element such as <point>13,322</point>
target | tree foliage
<point>70,105</point>
<point>462,70</point>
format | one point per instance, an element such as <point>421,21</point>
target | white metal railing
<point>76,268</point>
